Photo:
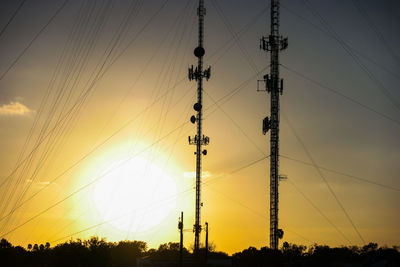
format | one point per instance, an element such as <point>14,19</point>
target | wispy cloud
<point>14,108</point>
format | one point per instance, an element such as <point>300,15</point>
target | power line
<point>235,36</point>
<point>226,98</point>
<point>323,178</point>
<point>34,39</point>
<point>370,75</point>
<point>99,177</point>
<point>257,213</point>
<point>329,34</point>
<point>354,101</point>
<point>190,189</point>
<point>236,124</point>
<point>85,94</point>
<point>343,174</point>
<point>297,189</point>
<point>378,33</point>
<point>319,211</point>
<point>12,17</point>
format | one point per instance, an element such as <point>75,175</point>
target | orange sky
<point>72,117</point>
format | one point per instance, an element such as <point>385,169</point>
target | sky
<point>94,122</point>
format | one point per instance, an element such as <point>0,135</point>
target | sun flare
<point>135,195</point>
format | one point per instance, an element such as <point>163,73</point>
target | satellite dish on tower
<point>197,107</point>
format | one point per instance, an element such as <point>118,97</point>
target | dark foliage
<point>99,252</point>
<point>295,255</point>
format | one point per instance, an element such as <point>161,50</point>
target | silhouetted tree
<point>99,252</point>
<point>125,253</point>
<point>5,244</point>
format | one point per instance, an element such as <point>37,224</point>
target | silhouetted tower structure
<point>180,227</point>
<point>199,139</point>
<point>274,43</point>
<point>206,256</point>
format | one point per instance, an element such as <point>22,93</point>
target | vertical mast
<point>199,139</point>
<point>274,43</point>
<point>180,227</point>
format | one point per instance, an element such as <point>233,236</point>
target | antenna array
<point>199,139</point>
<point>274,43</point>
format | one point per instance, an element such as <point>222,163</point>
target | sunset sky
<point>94,121</point>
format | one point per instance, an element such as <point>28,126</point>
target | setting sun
<point>134,194</point>
<point>139,131</point>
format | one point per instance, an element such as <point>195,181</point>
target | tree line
<point>97,251</point>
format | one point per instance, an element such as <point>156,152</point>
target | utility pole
<point>199,139</point>
<point>274,43</point>
<point>206,241</point>
<point>180,227</point>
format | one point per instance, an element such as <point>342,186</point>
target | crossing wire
<point>324,179</point>
<point>234,35</point>
<point>134,8</point>
<point>344,174</point>
<point>364,68</point>
<point>329,34</point>
<point>336,92</point>
<point>224,98</point>
<point>378,33</point>
<point>85,94</point>
<point>235,90</point>
<point>34,39</point>
<point>249,59</point>
<point>319,211</point>
<point>65,116</point>
<point>259,214</point>
<point>49,145</point>
<point>190,189</point>
<point>12,17</point>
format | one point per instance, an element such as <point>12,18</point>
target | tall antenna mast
<point>199,139</point>
<point>274,43</point>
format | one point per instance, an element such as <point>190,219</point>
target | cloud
<point>14,108</point>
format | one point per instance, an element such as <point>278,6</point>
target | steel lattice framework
<point>274,43</point>
<point>199,139</point>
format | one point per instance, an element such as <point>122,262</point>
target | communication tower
<point>273,44</point>
<point>199,140</point>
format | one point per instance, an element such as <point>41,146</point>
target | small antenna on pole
<point>180,227</point>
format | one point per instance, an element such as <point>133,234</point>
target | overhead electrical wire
<point>235,90</point>
<point>12,17</point>
<point>234,35</point>
<point>23,172</point>
<point>319,211</point>
<point>34,39</point>
<point>259,214</point>
<point>362,66</point>
<point>369,181</point>
<point>329,34</point>
<point>190,189</point>
<point>249,59</point>
<point>336,92</point>
<point>376,30</point>
<point>324,179</point>
<point>84,95</point>
<point>99,20</point>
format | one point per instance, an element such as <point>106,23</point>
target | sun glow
<point>135,195</point>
